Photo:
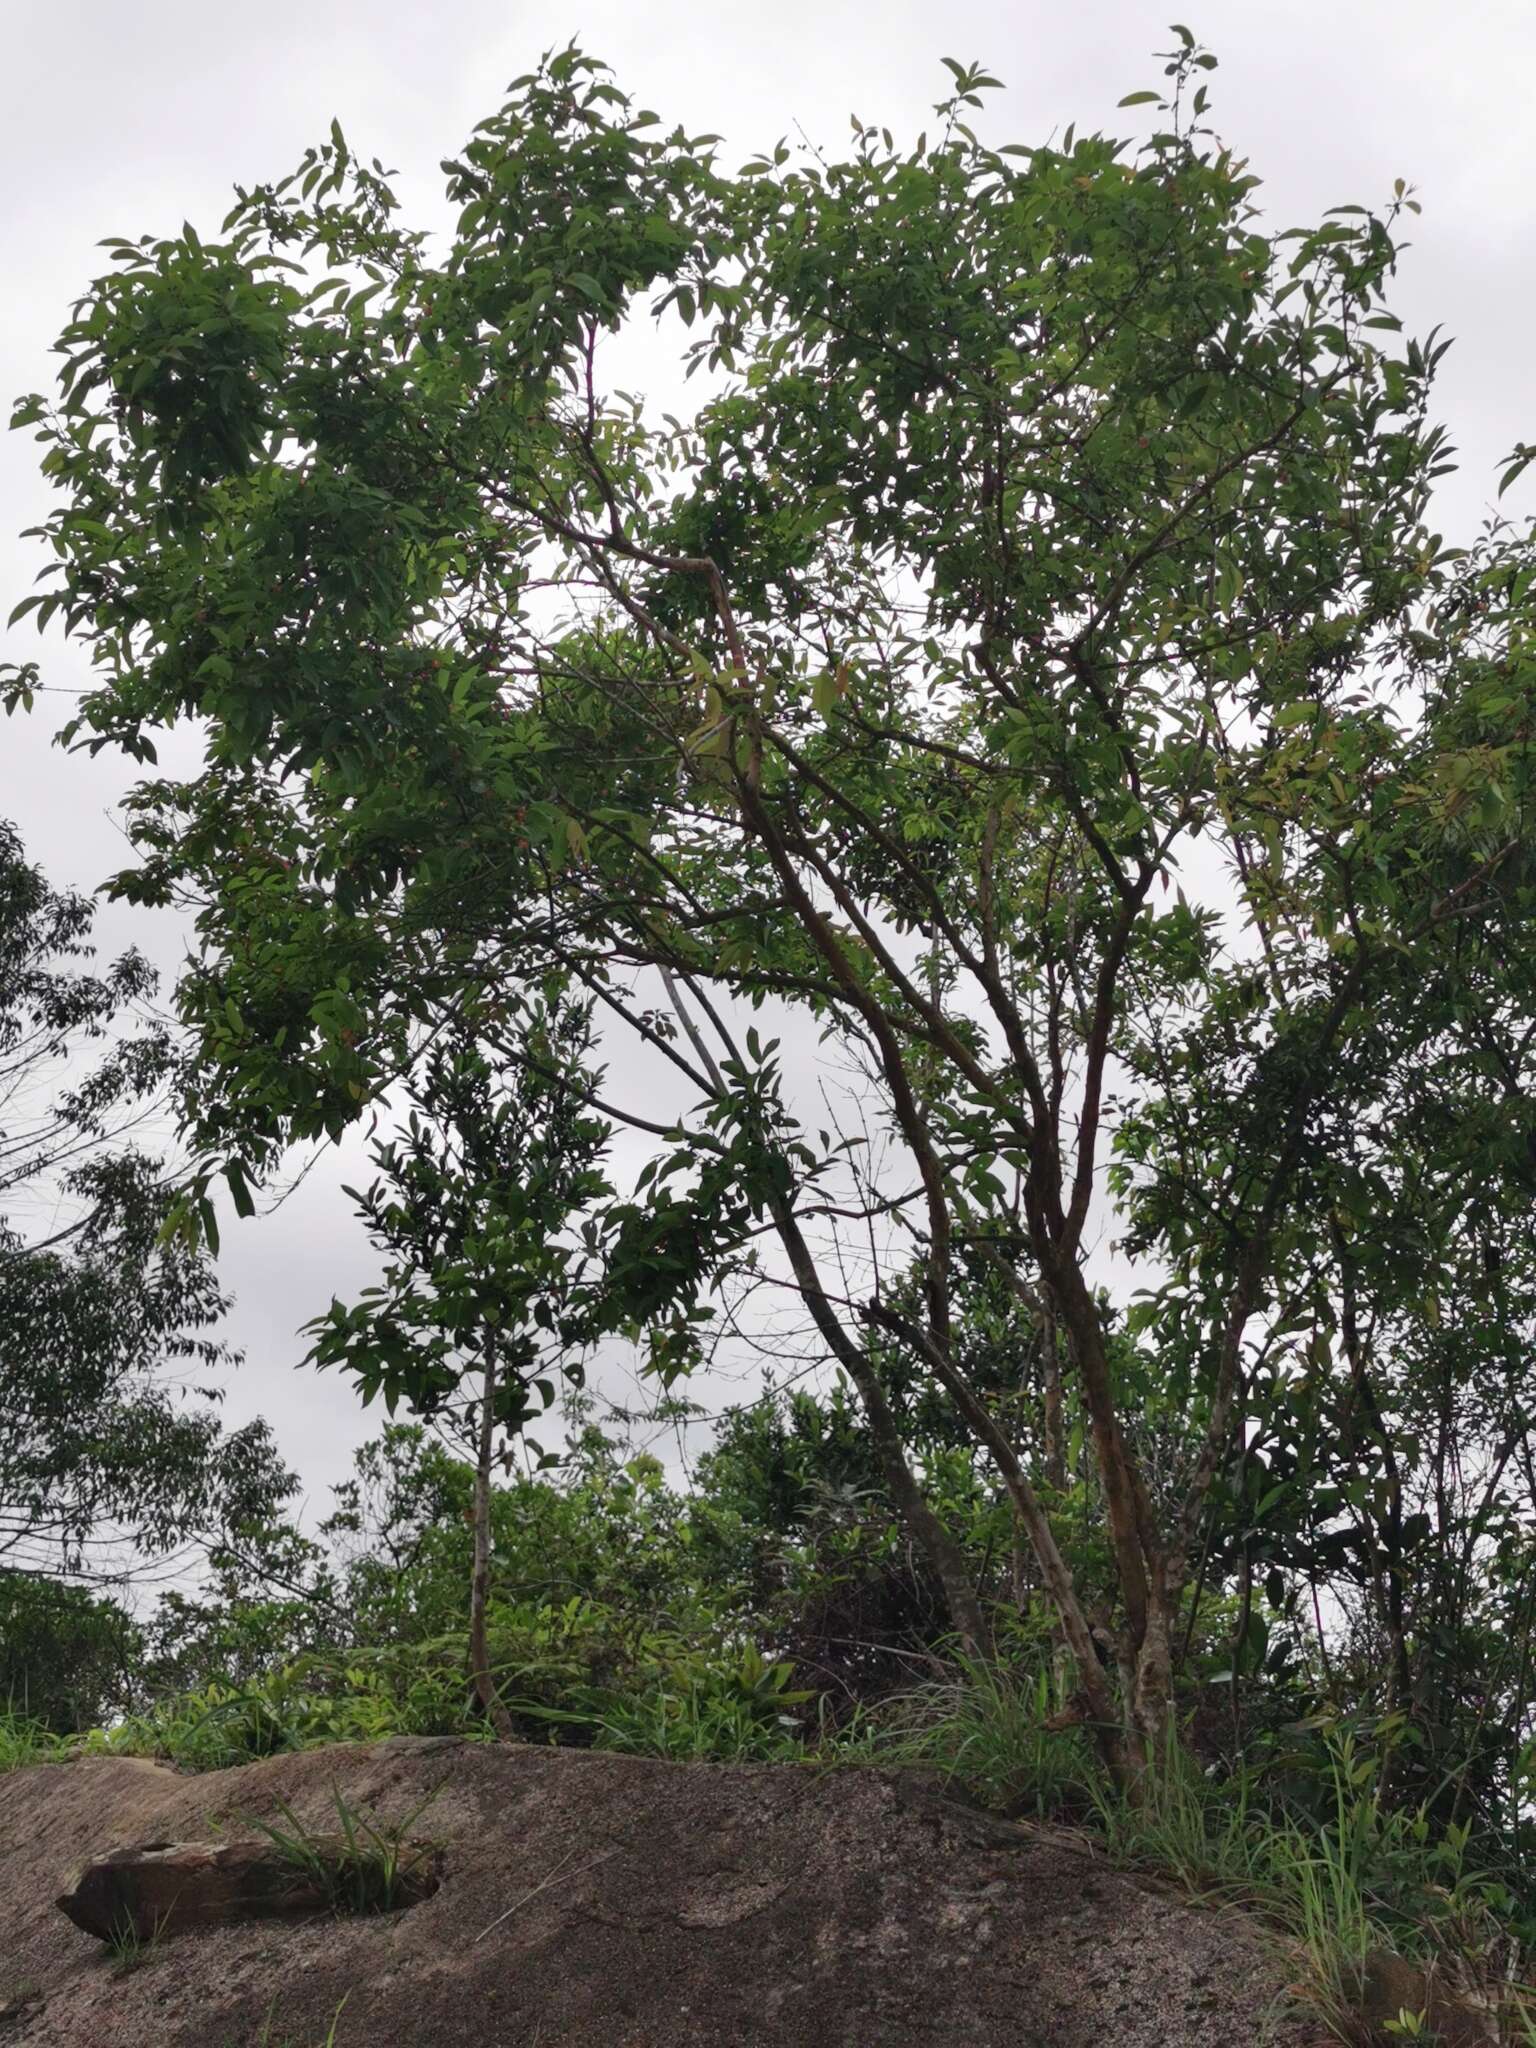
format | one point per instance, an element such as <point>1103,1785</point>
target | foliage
<point>471,1200</point>
<point>1031,674</point>
<point>52,1004</point>
<point>372,1869</point>
<point>1337,1870</point>
<point>687,1707</point>
<point>97,1444</point>
<point>267,1593</point>
<point>64,1653</point>
<point>988,1730</point>
<point>99,1315</point>
<point>28,1742</point>
<point>300,1705</point>
<point>628,1616</point>
<point>475,1204</point>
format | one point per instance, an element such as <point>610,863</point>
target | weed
<point>735,1711</point>
<point>372,1867</point>
<point>23,1741</point>
<point>1409,2026</point>
<point>128,1948</point>
<point>988,1730</point>
<point>1345,1891</point>
<point>267,2039</point>
<point>1350,1880</point>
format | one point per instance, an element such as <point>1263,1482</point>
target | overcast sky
<point>126,120</point>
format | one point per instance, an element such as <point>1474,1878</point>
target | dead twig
<point>543,1885</point>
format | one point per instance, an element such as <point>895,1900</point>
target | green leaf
<point>1523,458</point>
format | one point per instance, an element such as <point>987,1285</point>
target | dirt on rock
<point>598,1901</point>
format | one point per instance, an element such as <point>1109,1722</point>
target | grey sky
<point>127,120</point>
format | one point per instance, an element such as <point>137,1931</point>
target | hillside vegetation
<point>979,880</point>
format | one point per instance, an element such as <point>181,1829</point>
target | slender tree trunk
<point>1153,1703</point>
<point>944,1556</point>
<point>1137,1552</point>
<point>1054,1465</point>
<point>1147,1591</point>
<point>480,1581</point>
<point>1386,1532</point>
<point>1097,1707</point>
<point>1054,1430</point>
<point>1019,1587</point>
<point>1240,1641</point>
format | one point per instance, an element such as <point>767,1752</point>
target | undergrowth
<point>1336,1871</point>
<point>984,1729</point>
<point>735,1707</point>
<point>23,1741</point>
<point>742,1711</point>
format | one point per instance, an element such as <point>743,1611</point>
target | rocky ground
<point>591,1899</point>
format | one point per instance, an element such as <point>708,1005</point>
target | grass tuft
<point>986,1730</point>
<point>23,1741</point>
<point>128,1949</point>
<point>267,2039</point>
<point>376,1869</point>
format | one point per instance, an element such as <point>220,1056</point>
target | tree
<point>65,1653</point>
<point>474,1200</point>
<point>104,1451</point>
<point>51,1009</point>
<point>1032,663</point>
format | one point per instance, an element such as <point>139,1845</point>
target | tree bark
<point>480,1579</point>
<point>1054,1442</point>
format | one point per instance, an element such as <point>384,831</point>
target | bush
<point>65,1653</point>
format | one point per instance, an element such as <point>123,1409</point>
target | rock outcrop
<point>596,1901</point>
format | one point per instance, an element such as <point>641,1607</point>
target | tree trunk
<point>1096,1705</point>
<point>480,1580</point>
<point>944,1555</point>
<point>1054,1442</point>
<point>1141,1567</point>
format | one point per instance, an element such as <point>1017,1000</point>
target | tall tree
<point>1032,662</point>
